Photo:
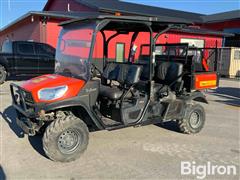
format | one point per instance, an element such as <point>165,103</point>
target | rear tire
<point>194,119</point>
<point>66,138</point>
<point>3,74</point>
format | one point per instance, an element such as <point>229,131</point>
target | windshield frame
<point>59,54</point>
<point>100,24</point>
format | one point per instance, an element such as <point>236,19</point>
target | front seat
<point>115,93</point>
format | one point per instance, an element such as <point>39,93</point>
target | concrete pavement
<point>150,152</point>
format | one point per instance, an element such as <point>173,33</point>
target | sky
<point>13,9</point>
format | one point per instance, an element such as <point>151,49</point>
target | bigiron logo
<point>201,171</point>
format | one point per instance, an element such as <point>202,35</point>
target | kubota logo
<point>90,90</point>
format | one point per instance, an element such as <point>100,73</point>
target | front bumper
<point>27,111</point>
<point>27,126</point>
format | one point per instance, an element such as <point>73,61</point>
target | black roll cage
<point>185,45</point>
<point>101,24</point>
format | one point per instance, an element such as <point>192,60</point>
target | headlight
<point>48,94</point>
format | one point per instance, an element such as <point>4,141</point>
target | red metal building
<point>43,26</point>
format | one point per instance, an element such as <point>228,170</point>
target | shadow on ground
<point>171,126</point>
<point>231,95</point>
<point>2,174</point>
<point>36,143</point>
<point>9,115</point>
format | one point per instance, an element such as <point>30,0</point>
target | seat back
<point>111,71</point>
<point>123,73</point>
<point>168,72</point>
<point>133,75</point>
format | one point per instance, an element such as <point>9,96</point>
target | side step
<point>109,122</point>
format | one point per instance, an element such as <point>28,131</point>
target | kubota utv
<point>154,84</point>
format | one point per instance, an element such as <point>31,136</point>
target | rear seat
<point>167,73</point>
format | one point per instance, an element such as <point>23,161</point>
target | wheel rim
<point>195,120</point>
<point>69,141</point>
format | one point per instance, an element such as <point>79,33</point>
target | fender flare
<point>197,96</point>
<point>73,103</point>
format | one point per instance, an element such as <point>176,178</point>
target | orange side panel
<point>205,81</point>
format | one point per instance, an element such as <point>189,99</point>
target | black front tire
<point>66,138</point>
<point>3,74</point>
<point>194,119</point>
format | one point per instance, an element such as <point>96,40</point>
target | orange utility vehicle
<point>153,87</point>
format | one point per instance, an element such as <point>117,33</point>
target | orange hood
<point>53,80</point>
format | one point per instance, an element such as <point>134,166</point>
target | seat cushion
<point>113,93</point>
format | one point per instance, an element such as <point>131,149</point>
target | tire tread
<point>57,125</point>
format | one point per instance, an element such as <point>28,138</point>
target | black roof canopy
<point>128,23</point>
<point>132,23</point>
<point>162,19</point>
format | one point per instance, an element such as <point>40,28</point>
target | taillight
<point>205,81</point>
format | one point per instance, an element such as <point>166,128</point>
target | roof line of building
<point>112,6</point>
<point>223,16</point>
<point>139,9</point>
<point>77,15</point>
<point>53,14</point>
<point>150,11</point>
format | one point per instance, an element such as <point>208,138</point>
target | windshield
<point>72,54</point>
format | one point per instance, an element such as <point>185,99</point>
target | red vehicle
<point>80,98</point>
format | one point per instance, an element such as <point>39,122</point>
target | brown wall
<point>24,30</point>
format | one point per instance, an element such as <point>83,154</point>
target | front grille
<point>27,96</point>
<point>21,97</point>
